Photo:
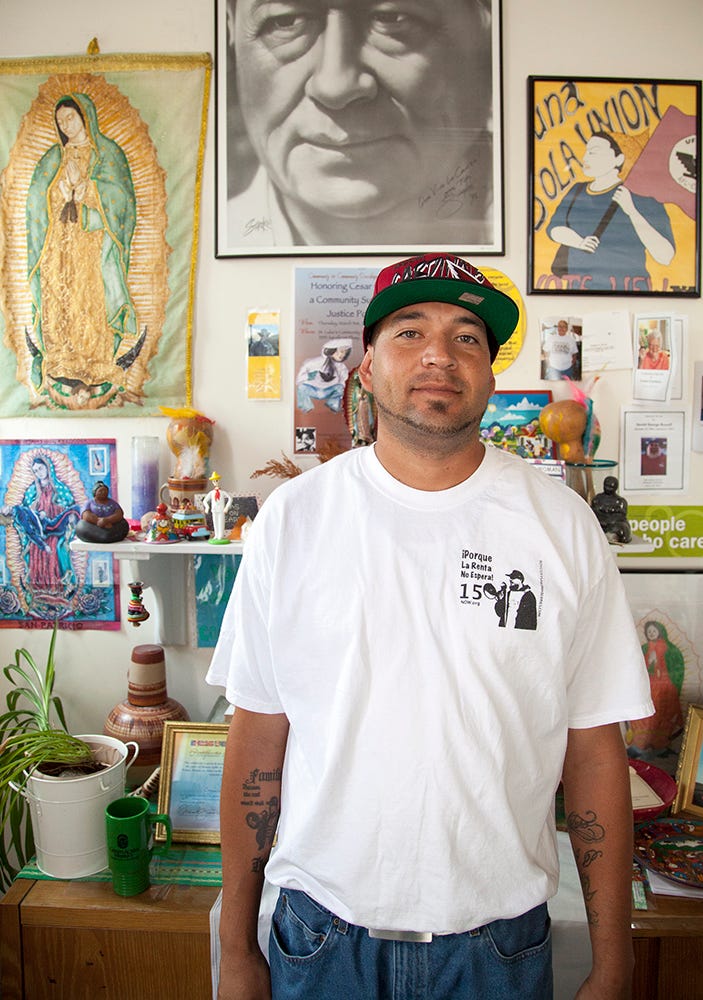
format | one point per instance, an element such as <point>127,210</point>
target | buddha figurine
<point>611,511</point>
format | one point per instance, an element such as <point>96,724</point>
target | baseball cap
<point>441,277</point>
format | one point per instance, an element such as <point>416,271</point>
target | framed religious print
<point>390,145</point>
<point>614,205</point>
<point>45,486</point>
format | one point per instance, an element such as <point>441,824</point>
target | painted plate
<point>672,848</point>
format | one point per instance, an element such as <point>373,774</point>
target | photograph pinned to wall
<point>511,422</point>
<point>666,611</point>
<point>100,173</point>
<point>561,348</point>
<point>329,311</point>
<point>652,450</point>
<point>263,354</point>
<point>314,162</point>
<point>44,486</point>
<point>243,508</point>
<point>653,360</point>
<point>614,176</point>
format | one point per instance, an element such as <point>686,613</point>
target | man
<point>370,123</point>
<point>608,230</point>
<point>420,744</point>
<point>561,351</point>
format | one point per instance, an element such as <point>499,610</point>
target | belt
<point>417,937</point>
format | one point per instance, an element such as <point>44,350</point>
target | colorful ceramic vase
<point>141,717</point>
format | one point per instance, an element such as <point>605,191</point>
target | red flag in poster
<point>666,169</point>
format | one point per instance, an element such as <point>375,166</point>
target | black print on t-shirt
<point>514,600</point>
<point>515,603</point>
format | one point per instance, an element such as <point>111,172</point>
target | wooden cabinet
<point>80,941</point>
<point>668,941</point>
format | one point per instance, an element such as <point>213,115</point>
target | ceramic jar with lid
<point>142,715</point>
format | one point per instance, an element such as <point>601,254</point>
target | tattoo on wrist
<point>591,856</point>
<point>586,828</point>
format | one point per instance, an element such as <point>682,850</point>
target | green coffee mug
<point>130,843</point>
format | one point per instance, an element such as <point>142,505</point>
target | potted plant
<point>36,749</point>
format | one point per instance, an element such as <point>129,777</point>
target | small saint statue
<point>611,511</point>
<point>102,518</point>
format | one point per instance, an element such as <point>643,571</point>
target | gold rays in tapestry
<point>144,270</point>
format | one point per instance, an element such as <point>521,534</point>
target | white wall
<point>639,39</point>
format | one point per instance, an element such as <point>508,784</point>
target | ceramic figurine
<point>217,502</point>
<point>136,612</point>
<point>102,518</point>
<point>161,530</point>
<point>611,511</point>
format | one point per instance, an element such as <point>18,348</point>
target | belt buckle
<point>415,937</point>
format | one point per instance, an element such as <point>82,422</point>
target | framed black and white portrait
<point>358,127</point>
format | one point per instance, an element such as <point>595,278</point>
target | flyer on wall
<point>652,450</point>
<point>329,313</point>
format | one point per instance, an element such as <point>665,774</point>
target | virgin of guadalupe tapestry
<point>44,487</point>
<point>100,176</point>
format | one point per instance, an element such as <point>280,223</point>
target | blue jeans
<point>315,955</point>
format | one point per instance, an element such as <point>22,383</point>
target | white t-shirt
<point>428,711</point>
<point>560,350</point>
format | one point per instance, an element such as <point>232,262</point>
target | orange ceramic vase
<point>141,717</point>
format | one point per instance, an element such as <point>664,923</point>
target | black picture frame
<point>459,207</point>
<point>590,137</point>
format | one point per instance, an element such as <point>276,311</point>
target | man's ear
<point>366,370</point>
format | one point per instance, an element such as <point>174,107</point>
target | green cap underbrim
<point>497,310</point>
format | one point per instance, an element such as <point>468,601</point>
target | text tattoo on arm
<point>263,813</point>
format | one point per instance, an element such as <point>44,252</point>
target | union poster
<point>614,187</point>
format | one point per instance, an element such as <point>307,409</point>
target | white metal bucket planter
<point>68,813</point>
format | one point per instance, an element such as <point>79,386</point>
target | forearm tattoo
<point>587,829</point>
<point>262,815</point>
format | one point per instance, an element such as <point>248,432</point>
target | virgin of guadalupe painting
<point>44,489</point>
<point>96,301</point>
<point>96,215</point>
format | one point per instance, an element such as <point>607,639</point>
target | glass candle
<point>145,475</point>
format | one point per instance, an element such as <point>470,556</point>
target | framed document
<point>192,757</point>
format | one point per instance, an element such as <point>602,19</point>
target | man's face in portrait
<point>357,106</point>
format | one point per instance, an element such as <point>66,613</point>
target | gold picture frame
<point>689,772</point>
<point>192,757</point>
